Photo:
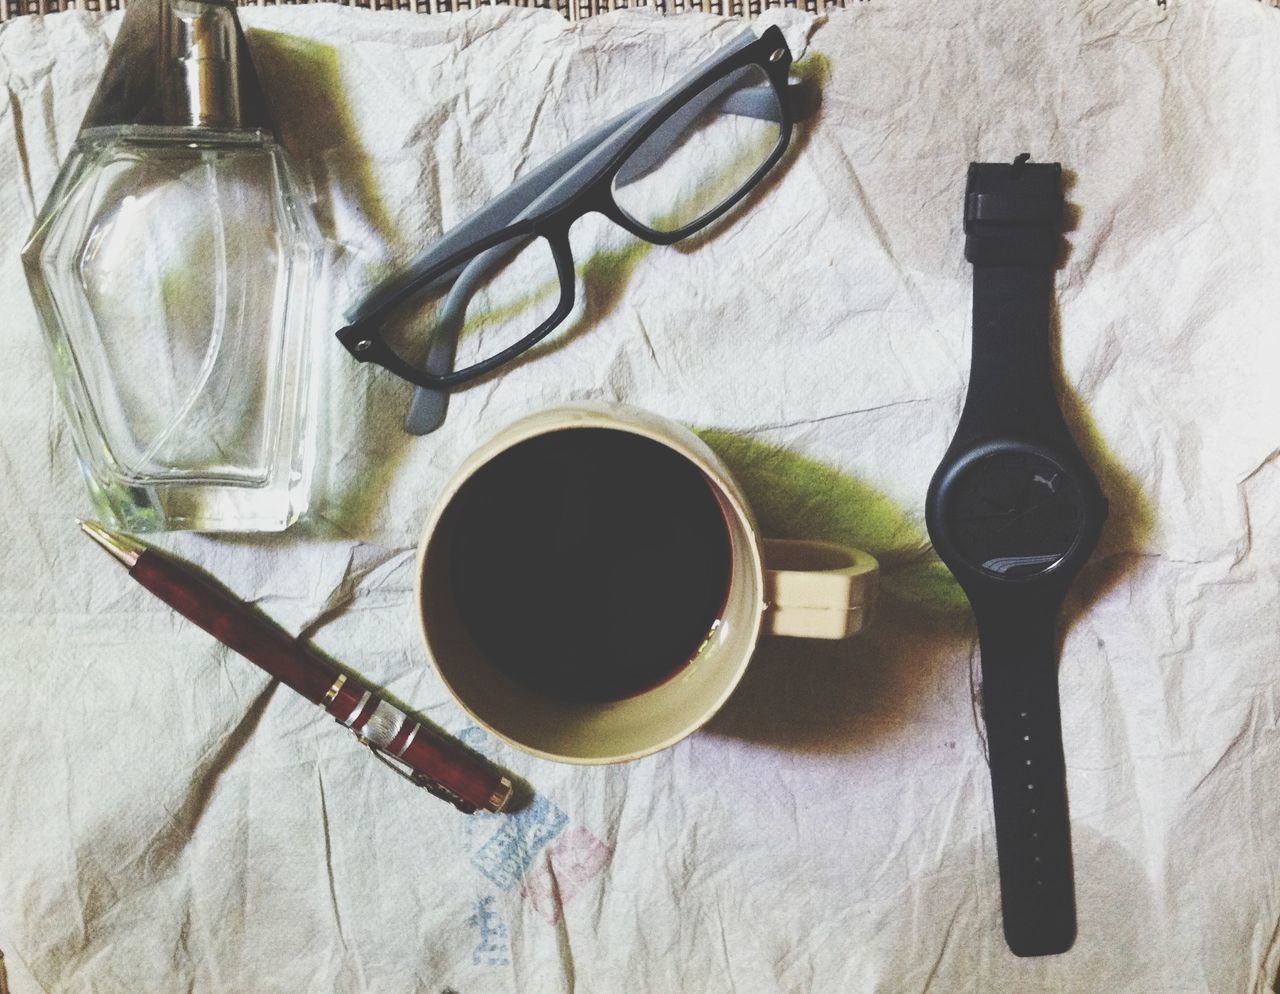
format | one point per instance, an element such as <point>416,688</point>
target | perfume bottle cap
<point>180,63</point>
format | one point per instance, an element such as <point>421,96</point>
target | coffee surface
<point>589,563</point>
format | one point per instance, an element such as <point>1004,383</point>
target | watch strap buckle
<point>1013,213</point>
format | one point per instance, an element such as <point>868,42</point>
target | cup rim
<point>619,418</point>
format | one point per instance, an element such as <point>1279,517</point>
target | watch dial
<point>1014,513</point>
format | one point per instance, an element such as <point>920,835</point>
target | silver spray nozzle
<point>180,63</point>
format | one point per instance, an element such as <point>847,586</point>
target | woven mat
<point>572,9</point>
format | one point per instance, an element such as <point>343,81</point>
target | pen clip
<point>418,778</point>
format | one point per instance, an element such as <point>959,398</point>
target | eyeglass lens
<point>487,305</point>
<point>704,154</point>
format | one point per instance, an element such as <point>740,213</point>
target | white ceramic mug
<point>806,589</point>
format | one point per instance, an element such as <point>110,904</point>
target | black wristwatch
<point>1014,512</point>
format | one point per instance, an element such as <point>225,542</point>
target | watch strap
<point>1028,775</point>
<point>1012,222</point>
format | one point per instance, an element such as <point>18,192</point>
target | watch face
<point>1014,513</point>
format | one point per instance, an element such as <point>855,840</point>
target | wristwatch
<point>1014,512</point>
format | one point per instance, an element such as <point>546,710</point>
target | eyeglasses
<point>503,279</point>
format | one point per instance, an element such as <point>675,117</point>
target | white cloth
<point>172,820</point>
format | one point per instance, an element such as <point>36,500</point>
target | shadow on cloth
<point>817,696</point>
<point>839,693</point>
<point>316,124</point>
<point>1115,903</point>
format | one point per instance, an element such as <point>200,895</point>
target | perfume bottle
<point>173,266</point>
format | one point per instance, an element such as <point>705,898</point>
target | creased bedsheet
<point>172,820</point>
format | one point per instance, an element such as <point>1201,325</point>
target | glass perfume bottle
<point>173,266</point>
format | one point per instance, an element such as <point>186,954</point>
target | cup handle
<point>818,590</point>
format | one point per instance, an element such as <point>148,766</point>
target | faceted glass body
<point>174,269</point>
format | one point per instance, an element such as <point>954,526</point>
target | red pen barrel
<point>234,624</point>
<point>475,785</point>
<point>442,767</point>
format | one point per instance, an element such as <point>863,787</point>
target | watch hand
<point>999,505</point>
<point>1024,493</point>
<point>1013,511</point>
<point>1029,509</point>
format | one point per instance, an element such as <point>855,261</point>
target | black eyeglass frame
<point>363,338</point>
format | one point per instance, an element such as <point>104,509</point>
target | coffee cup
<point>591,584</point>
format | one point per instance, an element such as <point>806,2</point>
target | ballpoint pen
<point>421,755</point>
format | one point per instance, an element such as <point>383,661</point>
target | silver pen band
<point>412,732</point>
<point>350,720</point>
<point>383,725</point>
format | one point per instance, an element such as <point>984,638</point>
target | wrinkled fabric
<point>173,820</point>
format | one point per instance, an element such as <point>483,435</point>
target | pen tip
<point>123,548</point>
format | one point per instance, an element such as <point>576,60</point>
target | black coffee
<point>589,563</point>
